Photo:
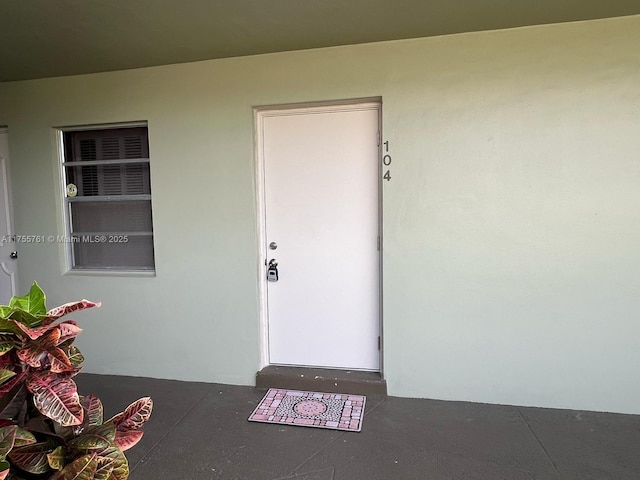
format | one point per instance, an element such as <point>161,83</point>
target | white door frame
<point>5,178</point>
<point>259,114</point>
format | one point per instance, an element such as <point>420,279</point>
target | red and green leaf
<point>32,357</point>
<point>7,361</point>
<point>37,350</point>
<point>33,353</point>
<point>32,458</point>
<point>114,460</point>
<point>75,357</point>
<point>60,362</point>
<point>7,440</point>
<point>5,469</point>
<point>82,468</point>
<point>7,343</point>
<point>13,395</point>
<point>104,470</point>
<point>32,333</point>
<point>56,397</point>
<point>134,416</point>
<point>6,375</point>
<point>93,410</point>
<point>56,458</point>
<point>8,386</point>
<point>55,313</point>
<point>68,330</point>
<point>127,439</point>
<point>24,437</point>
<point>8,326</point>
<point>95,438</point>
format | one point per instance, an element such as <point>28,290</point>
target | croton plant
<point>47,430</point>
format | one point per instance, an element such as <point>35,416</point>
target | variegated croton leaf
<point>98,437</point>
<point>13,395</point>
<point>6,375</point>
<point>56,397</point>
<point>56,458</point>
<point>24,437</point>
<point>112,465</point>
<point>33,458</point>
<point>32,333</point>
<point>128,422</point>
<point>52,342</point>
<point>134,416</point>
<point>55,313</point>
<point>93,410</point>
<point>82,468</point>
<point>7,440</point>
<point>5,469</point>
<point>7,343</point>
<point>127,439</point>
<point>68,330</point>
<point>46,346</point>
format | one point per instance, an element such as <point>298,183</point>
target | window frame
<point>68,261</point>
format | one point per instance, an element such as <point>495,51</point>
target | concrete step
<point>322,380</point>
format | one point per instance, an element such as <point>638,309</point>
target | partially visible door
<point>321,219</point>
<point>8,253</point>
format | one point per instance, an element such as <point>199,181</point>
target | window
<point>108,199</point>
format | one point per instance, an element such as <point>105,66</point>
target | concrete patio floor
<point>200,431</point>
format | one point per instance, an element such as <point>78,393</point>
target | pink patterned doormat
<point>311,409</point>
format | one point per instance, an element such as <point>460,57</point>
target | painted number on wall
<point>386,161</point>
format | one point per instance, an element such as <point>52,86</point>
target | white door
<point>321,227</point>
<point>8,264</point>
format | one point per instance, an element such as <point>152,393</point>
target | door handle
<point>13,255</point>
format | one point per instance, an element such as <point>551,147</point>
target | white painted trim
<point>5,178</point>
<point>320,104</point>
<point>103,126</point>
<point>110,273</point>
<point>262,236</point>
<point>64,248</point>
<point>381,236</point>
<point>260,113</point>
<point>318,109</point>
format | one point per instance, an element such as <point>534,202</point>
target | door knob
<point>13,255</point>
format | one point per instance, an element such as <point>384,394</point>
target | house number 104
<point>386,161</point>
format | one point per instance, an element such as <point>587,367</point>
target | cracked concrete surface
<point>200,431</point>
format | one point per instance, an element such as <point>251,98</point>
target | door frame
<point>5,178</point>
<point>259,113</point>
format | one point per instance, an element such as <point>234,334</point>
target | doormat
<point>334,411</point>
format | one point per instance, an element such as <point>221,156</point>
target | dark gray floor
<point>200,431</point>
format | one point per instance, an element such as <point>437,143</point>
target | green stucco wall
<point>511,223</point>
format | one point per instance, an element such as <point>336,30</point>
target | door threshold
<point>322,380</point>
